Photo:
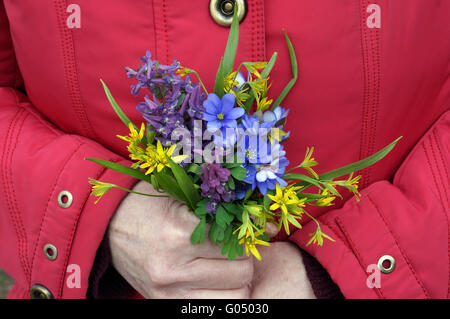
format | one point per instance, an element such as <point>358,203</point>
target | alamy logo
<point>74,19</point>
<point>374,18</point>
<point>74,279</point>
<point>374,279</point>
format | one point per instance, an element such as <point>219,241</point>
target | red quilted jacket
<point>369,71</point>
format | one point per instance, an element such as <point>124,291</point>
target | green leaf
<point>239,173</point>
<point>232,248</point>
<point>269,66</point>
<point>116,107</point>
<point>267,201</point>
<point>304,178</point>
<point>216,233</point>
<point>122,169</point>
<point>294,66</point>
<point>219,85</point>
<point>194,168</point>
<point>171,187</point>
<point>200,211</point>
<point>231,183</point>
<point>185,183</point>
<point>223,218</point>
<point>368,161</point>
<point>198,235</point>
<point>232,44</point>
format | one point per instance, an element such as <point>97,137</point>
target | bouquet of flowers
<point>221,153</point>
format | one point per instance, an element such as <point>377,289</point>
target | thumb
<point>271,230</point>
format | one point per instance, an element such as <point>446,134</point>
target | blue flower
<point>221,113</point>
<point>268,172</point>
<point>276,115</point>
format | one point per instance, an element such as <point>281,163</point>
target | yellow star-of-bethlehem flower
<point>99,188</point>
<point>155,158</point>
<point>250,240</point>
<point>135,137</point>
<point>283,197</point>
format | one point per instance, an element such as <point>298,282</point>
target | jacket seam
<point>361,261</point>
<point>398,246</point>
<point>370,47</point>
<point>436,141</point>
<point>69,157</point>
<point>9,191</point>
<point>71,73</point>
<point>74,227</point>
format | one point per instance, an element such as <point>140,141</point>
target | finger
<point>217,273</point>
<point>271,230</point>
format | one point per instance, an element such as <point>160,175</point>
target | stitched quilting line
<point>15,206</point>
<point>403,253</point>
<point>154,30</point>
<point>436,142</point>
<point>166,35</point>
<point>51,195</point>
<point>366,80</point>
<point>257,30</point>
<point>370,47</point>
<point>71,69</point>
<point>75,225</point>
<point>11,202</point>
<point>356,251</point>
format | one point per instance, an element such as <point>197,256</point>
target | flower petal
<point>214,126</point>
<point>227,102</point>
<point>269,116</point>
<point>261,176</point>
<point>209,117</point>
<point>234,113</point>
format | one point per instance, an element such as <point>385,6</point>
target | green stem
<point>138,193</point>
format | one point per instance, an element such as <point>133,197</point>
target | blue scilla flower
<point>221,113</point>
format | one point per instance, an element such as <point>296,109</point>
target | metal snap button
<point>386,264</point>
<point>222,11</point>
<point>40,292</point>
<point>50,252</point>
<point>65,199</point>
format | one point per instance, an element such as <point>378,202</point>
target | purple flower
<point>221,113</point>
<point>213,178</point>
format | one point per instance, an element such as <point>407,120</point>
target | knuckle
<point>245,272</point>
<point>159,274</point>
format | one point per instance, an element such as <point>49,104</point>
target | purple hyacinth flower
<point>221,113</point>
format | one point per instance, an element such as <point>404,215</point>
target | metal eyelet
<point>222,11</point>
<point>386,259</point>
<point>40,292</point>
<point>50,252</point>
<point>65,199</point>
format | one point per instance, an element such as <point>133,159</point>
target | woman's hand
<point>151,248</point>
<point>281,274</point>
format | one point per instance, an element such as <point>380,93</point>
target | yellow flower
<point>326,200</point>
<point>318,236</point>
<point>157,158</point>
<point>250,240</point>
<point>99,188</point>
<point>276,134</point>
<point>230,82</point>
<point>135,136</point>
<point>283,197</point>
<point>263,104</point>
